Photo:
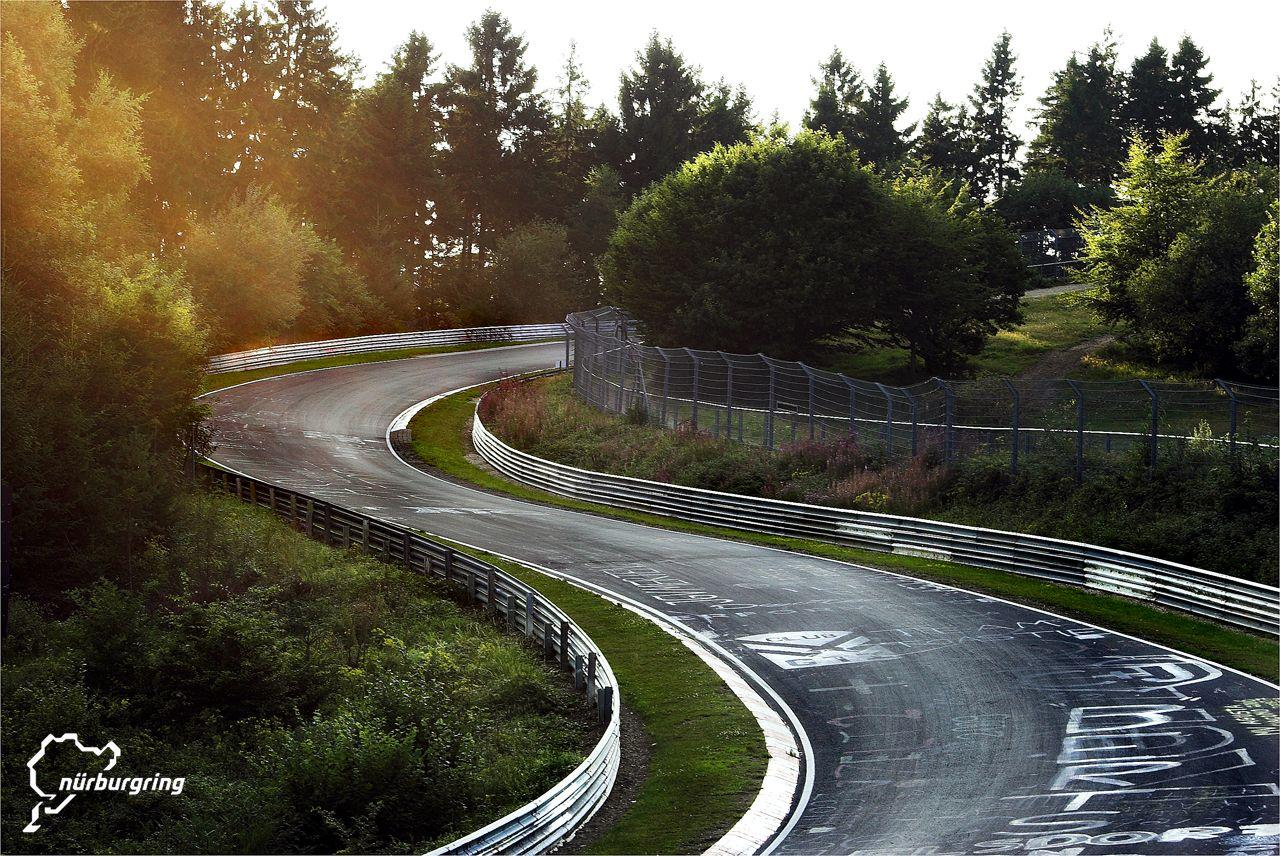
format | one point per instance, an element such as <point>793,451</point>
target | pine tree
<point>247,118</point>
<point>1191,100</point>
<point>874,135</point>
<point>991,122</point>
<point>496,131</point>
<point>944,143</point>
<point>1257,137</point>
<point>1081,131</point>
<point>1148,108</point>
<point>838,97</point>
<point>391,207</point>
<point>667,114</point>
<point>313,87</point>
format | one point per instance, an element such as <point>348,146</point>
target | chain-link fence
<point>757,399</point>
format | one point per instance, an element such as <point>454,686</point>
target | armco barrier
<point>283,354</point>
<point>553,817</point>
<point>1167,584</point>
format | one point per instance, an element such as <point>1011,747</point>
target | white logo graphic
<point>69,786</point>
<point>806,649</point>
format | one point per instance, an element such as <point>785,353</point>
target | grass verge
<point>441,439</point>
<point>214,382</point>
<point>707,750</point>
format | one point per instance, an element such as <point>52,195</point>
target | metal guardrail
<point>284,354</point>
<point>1168,584</point>
<point>554,816</point>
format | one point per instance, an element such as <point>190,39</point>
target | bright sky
<point>928,46</point>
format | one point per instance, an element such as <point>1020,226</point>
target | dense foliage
<point>773,245</point>
<point>1170,259</point>
<point>1200,506</point>
<point>314,701</point>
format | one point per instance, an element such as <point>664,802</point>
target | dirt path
<point>1060,363</point>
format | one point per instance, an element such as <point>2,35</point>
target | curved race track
<point>941,721</point>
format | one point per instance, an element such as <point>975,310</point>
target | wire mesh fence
<point>753,398</point>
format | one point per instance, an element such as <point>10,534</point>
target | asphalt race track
<point>940,721</point>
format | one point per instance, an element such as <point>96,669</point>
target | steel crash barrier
<point>283,354</point>
<point>554,816</point>
<point>1167,584</point>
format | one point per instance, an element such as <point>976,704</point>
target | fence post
<point>1155,422</point>
<point>809,375</point>
<point>773,401</point>
<point>1014,425</point>
<point>888,420</point>
<point>853,407</point>
<point>693,420</point>
<point>728,398</point>
<point>1075,388</point>
<point>915,444</point>
<point>622,377</point>
<point>949,408</point>
<point>666,384</point>
<point>1235,408</point>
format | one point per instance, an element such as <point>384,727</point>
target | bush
<point>1201,505</point>
<point>1169,260</point>
<point>773,245</point>
<point>315,701</point>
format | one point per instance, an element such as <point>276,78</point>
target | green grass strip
<point>213,382</point>
<point>707,755</point>
<point>441,438</point>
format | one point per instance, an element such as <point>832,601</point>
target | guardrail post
<point>564,644</point>
<point>528,614</point>
<point>471,587</point>
<point>1235,408</point>
<point>253,493</point>
<point>591,675</point>
<point>693,420</point>
<point>1155,422</point>
<point>1075,388</point>
<point>511,612</point>
<point>579,672</point>
<point>728,399</point>
<point>888,420</point>
<point>271,497</point>
<point>448,565</point>
<point>949,409</point>
<point>1014,425</point>
<point>566,350</point>
<point>364,535</point>
<point>604,702</point>
<point>407,550</point>
<point>548,642</point>
<point>328,523</point>
<point>491,593</point>
<point>773,402</point>
<point>293,511</point>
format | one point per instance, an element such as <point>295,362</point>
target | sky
<point>774,50</point>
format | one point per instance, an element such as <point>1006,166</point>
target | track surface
<point>941,721</point>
